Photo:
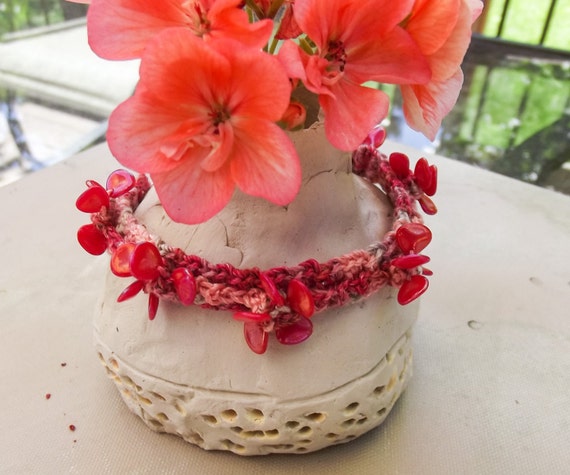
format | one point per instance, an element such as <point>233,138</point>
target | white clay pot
<point>189,372</point>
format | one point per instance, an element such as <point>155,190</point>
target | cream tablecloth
<point>491,386</point>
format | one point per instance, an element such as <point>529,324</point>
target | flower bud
<point>294,116</point>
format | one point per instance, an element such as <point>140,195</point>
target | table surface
<point>491,385</point>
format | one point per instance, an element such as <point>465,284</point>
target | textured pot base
<point>253,424</point>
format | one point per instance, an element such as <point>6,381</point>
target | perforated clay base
<point>251,424</point>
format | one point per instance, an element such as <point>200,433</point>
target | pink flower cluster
<point>217,77</point>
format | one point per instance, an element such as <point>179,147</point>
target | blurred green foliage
<point>16,15</point>
<point>513,118</point>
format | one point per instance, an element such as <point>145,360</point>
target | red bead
<point>153,302</point>
<point>432,188</point>
<point>91,239</point>
<point>91,183</point>
<point>422,174</point>
<point>427,205</point>
<point>255,337</point>
<point>410,261</point>
<point>120,259</point>
<point>426,176</point>
<point>120,182</point>
<point>185,285</point>
<point>426,271</point>
<point>131,291</point>
<point>400,164</point>
<point>294,333</point>
<point>375,137</point>
<point>145,261</point>
<point>300,298</point>
<point>413,237</point>
<point>252,317</point>
<point>92,199</point>
<point>271,290</point>
<point>412,289</point>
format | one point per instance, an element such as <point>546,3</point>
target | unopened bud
<point>294,117</point>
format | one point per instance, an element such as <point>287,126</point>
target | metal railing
<point>545,27</point>
<point>508,11</point>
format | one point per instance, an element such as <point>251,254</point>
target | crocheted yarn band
<point>281,299</point>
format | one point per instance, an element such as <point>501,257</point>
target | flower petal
<point>230,21</point>
<point>445,61</point>
<point>290,57</point>
<point>220,146</point>
<point>147,136</point>
<point>431,23</point>
<point>245,95</point>
<point>395,58</point>
<point>445,45</point>
<point>265,162</point>
<point>191,195</point>
<point>352,113</point>
<point>363,23</point>
<point>120,29</point>
<point>350,21</point>
<point>166,64</point>
<point>317,18</point>
<point>426,105</point>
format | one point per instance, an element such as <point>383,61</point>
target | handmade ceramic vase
<point>189,372</point>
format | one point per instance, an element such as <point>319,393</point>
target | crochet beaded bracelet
<point>282,299</point>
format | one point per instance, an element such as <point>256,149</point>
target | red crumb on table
<point>63,364</point>
<point>71,427</point>
<point>48,395</point>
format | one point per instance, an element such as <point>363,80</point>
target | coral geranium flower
<point>120,29</point>
<point>202,121</point>
<point>442,30</point>
<point>356,41</point>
